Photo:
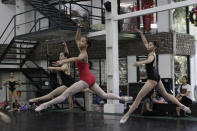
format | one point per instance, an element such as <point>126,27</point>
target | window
<point>181,65</point>
<point>98,69</point>
<point>123,71</point>
<point>141,70</point>
<point>179,19</point>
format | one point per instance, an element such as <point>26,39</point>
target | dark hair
<point>156,44</point>
<point>88,42</point>
<point>66,54</point>
<point>185,78</point>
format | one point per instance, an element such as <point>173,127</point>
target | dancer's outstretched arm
<point>78,35</point>
<point>81,57</point>
<point>62,68</point>
<point>65,47</point>
<point>148,60</point>
<point>143,38</point>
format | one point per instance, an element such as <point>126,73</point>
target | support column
<point>112,60</point>
<point>163,23</point>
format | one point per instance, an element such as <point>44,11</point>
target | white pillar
<point>193,72</point>
<point>112,60</point>
<point>132,72</point>
<point>163,23</point>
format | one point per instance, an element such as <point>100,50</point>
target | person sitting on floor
<point>184,94</point>
<point>147,107</point>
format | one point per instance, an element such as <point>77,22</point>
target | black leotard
<point>12,85</point>
<point>67,80</point>
<point>152,71</point>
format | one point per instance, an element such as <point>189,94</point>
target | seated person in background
<point>184,94</point>
<point>147,107</point>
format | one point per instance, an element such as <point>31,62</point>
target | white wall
<point>165,65</point>
<point>193,66</point>
<point>132,71</point>
<point>6,14</point>
<point>193,59</point>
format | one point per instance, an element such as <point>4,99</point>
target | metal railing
<point>34,23</point>
<point>15,27</point>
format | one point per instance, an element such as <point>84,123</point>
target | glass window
<point>123,71</point>
<point>141,70</point>
<point>98,69</point>
<point>146,22</point>
<point>179,19</point>
<point>181,68</point>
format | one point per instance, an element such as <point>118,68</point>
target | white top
<point>188,88</point>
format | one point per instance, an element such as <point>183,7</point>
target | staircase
<point>56,16</point>
<point>36,74</point>
<point>18,48</point>
<point>17,52</point>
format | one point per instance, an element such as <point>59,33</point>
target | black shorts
<point>12,89</point>
<point>154,78</point>
<point>68,81</point>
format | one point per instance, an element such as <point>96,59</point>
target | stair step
<point>15,58</point>
<point>14,53</point>
<point>25,43</point>
<point>22,48</point>
<point>9,63</point>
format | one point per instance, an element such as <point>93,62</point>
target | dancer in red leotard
<point>85,73</point>
<point>87,80</point>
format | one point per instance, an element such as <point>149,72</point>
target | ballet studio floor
<point>88,121</point>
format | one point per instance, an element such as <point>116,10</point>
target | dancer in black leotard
<point>66,78</point>
<point>152,71</point>
<point>153,80</point>
<point>12,84</point>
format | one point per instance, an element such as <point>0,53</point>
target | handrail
<point>8,35</point>
<point>62,2</point>
<point>14,16</point>
<point>36,23</point>
<point>7,26</point>
<point>37,65</point>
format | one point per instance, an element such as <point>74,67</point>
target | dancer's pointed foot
<point>124,119</point>
<point>127,98</point>
<point>41,107</point>
<point>186,109</point>
<point>4,118</point>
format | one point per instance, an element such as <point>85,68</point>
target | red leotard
<point>85,74</point>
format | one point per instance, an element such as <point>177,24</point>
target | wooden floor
<point>86,121</point>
